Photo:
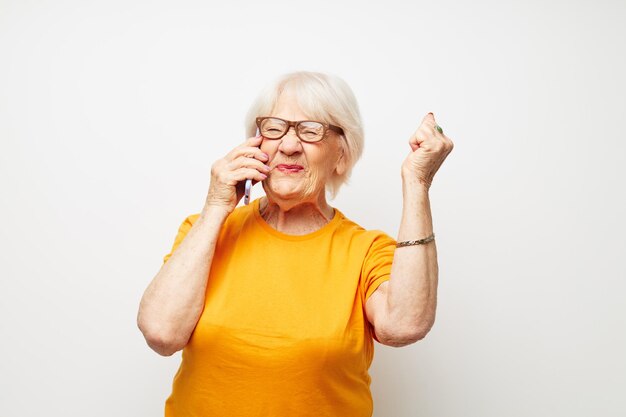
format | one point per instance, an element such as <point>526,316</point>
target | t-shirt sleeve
<point>182,232</point>
<point>377,263</point>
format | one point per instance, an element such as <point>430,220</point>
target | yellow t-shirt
<point>283,331</point>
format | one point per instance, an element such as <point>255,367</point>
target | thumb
<point>430,118</point>
<point>254,140</point>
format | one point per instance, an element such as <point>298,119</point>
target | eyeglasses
<point>307,130</point>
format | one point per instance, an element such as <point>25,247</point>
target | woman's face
<point>300,169</point>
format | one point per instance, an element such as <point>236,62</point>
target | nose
<point>290,143</point>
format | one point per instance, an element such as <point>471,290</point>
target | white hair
<point>322,97</point>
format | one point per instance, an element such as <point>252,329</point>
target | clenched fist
<point>429,148</point>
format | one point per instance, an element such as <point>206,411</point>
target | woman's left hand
<point>429,148</point>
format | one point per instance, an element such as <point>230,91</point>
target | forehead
<point>287,107</point>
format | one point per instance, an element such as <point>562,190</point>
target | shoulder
<point>367,237</point>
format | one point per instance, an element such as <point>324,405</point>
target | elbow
<point>412,337</point>
<point>419,329</point>
<point>394,339</point>
<point>160,342</point>
<point>402,337</point>
<point>419,332</point>
<point>417,335</point>
<point>405,339</point>
<point>162,346</point>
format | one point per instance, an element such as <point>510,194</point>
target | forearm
<point>172,303</point>
<point>412,295</point>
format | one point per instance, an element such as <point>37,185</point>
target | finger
<point>247,162</point>
<point>248,151</point>
<point>429,125</point>
<point>253,140</point>
<point>424,137</point>
<point>243,174</point>
<point>414,142</point>
<point>421,135</point>
<point>426,131</point>
<point>450,143</point>
<point>429,119</point>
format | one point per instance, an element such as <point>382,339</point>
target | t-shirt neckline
<point>265,226</point>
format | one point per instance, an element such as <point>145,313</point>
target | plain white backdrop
<point>112,112</point>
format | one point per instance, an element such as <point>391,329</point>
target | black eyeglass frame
<point>327,127</point>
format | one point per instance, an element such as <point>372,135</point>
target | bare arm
<point>403,309</point>
<point>172,303</point>
<point>412,293</point>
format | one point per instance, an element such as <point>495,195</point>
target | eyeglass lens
<point>308,131</point>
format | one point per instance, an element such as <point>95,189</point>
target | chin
<point>287,190</point>
<point>287,193</point>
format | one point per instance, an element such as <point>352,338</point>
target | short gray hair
<point>322,97</point>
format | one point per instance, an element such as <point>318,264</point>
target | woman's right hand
<point>229,174</point>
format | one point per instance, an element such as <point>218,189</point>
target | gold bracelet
<point>415,242</point>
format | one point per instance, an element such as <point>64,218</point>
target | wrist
<point>413,184</point>
<point>215,212</point>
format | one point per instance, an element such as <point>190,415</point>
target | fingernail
<point>266,155</point>
<point>268,168</point>
<point>264,176</point>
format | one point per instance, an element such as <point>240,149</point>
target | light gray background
<point>112,112</point>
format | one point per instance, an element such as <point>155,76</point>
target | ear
<point>341,165</point>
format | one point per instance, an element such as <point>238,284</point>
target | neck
<point>296,217</point>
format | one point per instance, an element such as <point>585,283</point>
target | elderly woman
<point>275,304</point>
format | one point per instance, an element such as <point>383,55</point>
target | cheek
<point>328,159</point>
<point>269,147</point>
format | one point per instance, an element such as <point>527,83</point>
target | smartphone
<point>248,186</point>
